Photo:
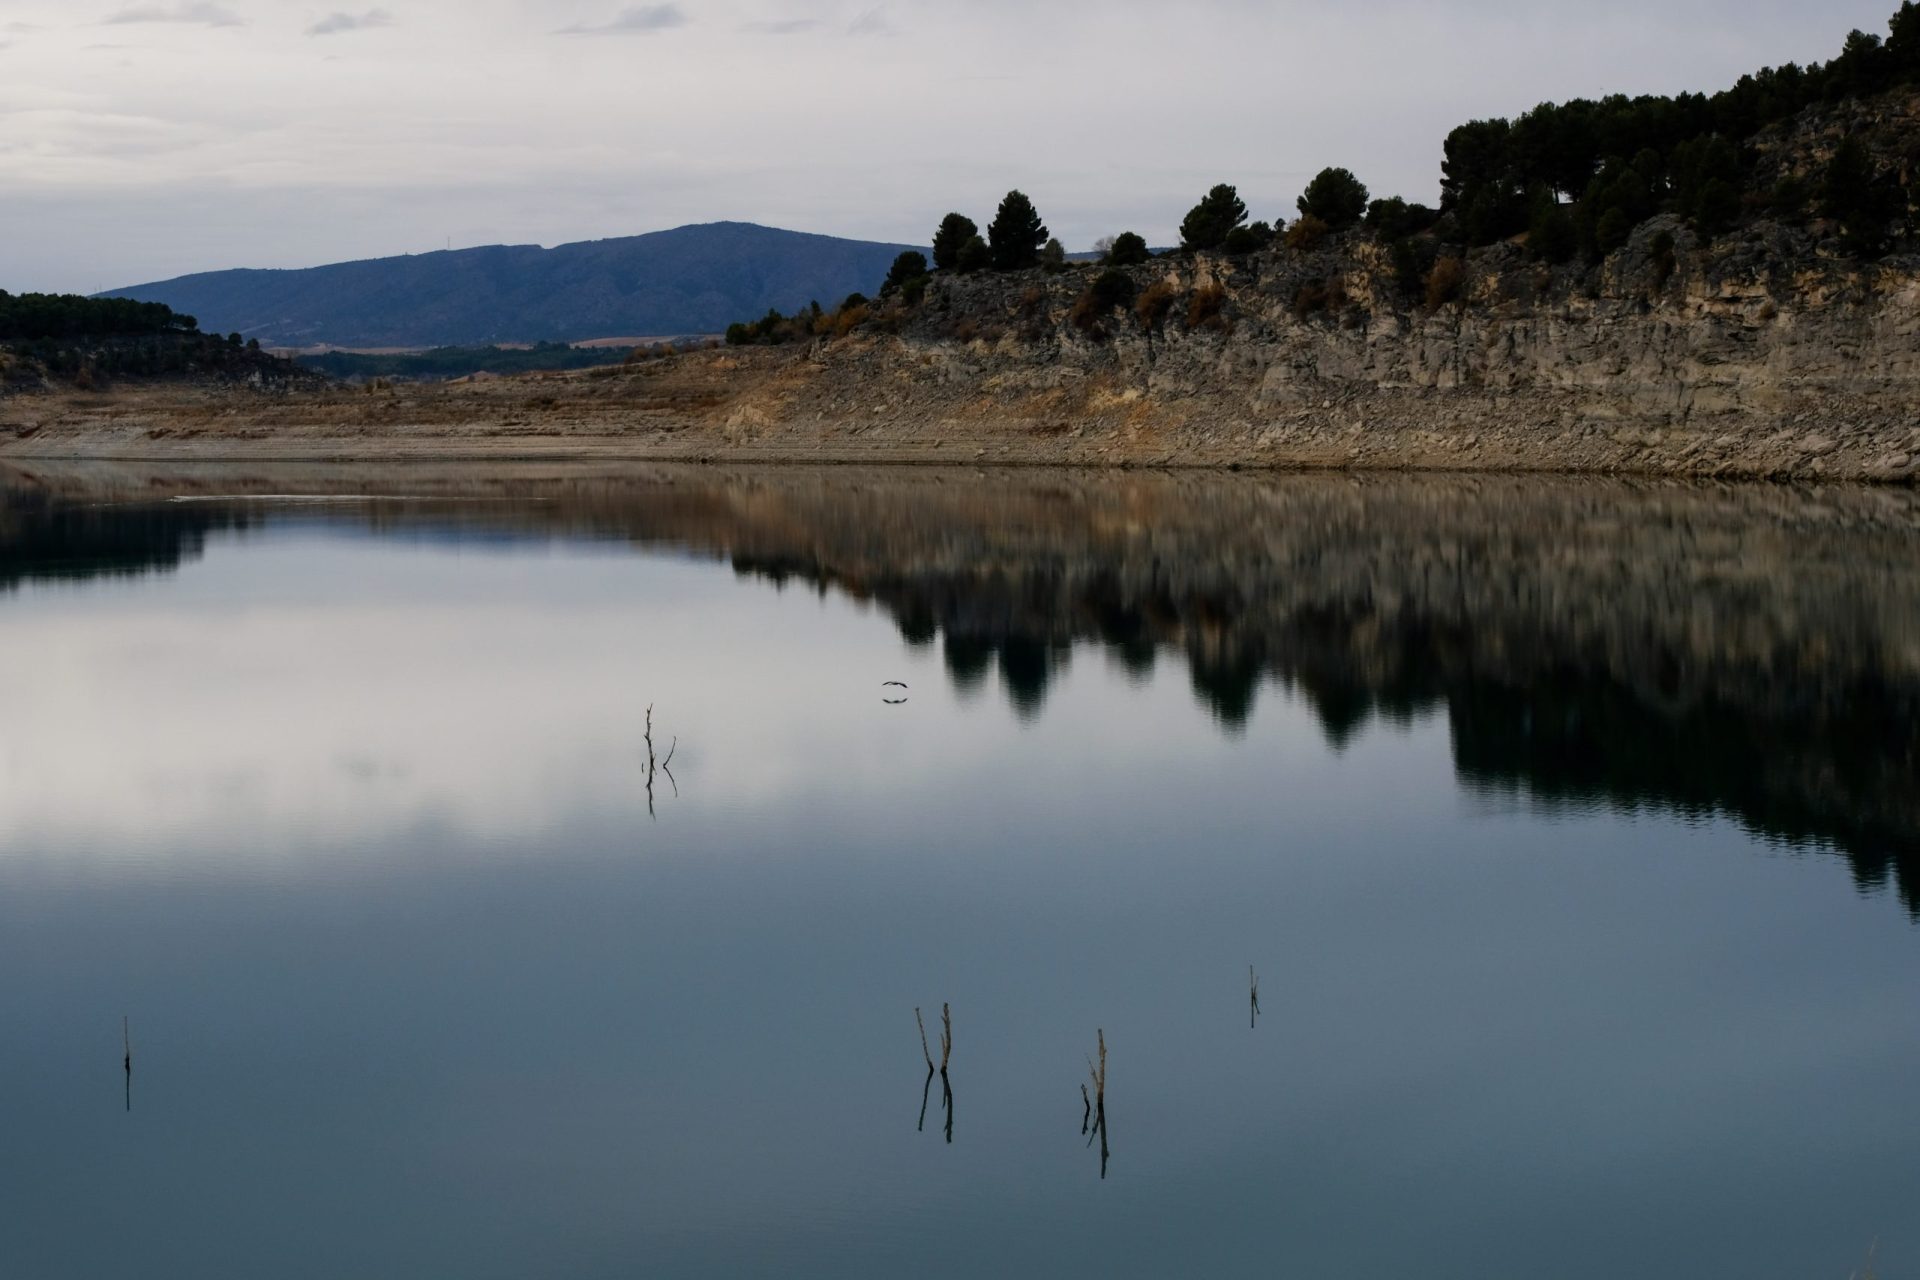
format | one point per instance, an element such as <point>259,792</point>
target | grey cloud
<point>790,27</point>
<point>338,176</point>
<point>193,14</point>
<point>872,23</point>
<point>637,20</point>
<point>336,22</point>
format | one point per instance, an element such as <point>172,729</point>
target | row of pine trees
<point>1569,181</point>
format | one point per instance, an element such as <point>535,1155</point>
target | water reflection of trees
<point>1701,653</point>
<point>46,539</point>
<point>1823,757</point>
<point>1753,653</point>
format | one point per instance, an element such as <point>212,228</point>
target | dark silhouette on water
<point>126,1044</point>
<point>1580,679</point>
<point>946,1054</point>
<point>660,766</point>
<point>1253,997</point>
<point>1097,1070</point>
<point>927,1088</point>
<point>43,539</point>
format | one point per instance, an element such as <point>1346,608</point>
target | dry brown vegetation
<point>1086,313</point>
<point>1317,297</point>
<point>1206,308</point>
<point>849,319</point>
<point>1445,282</point>
<point>1306,232</point>
<point>1152,306</point>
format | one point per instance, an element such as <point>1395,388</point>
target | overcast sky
<point>143,139</point>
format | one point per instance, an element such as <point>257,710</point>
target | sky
<point>145,139</point>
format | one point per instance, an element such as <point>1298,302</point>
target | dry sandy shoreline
<point>882,406</point>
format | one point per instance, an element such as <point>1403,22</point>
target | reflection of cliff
<point>1754,654</point>
<point>45,539</point>
<point>1748,652</point>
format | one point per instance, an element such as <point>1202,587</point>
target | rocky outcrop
<point>1768,353</point>
<point>1707,360</point>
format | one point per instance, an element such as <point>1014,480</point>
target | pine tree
<point>974,256</point>
<point>1335,197</point>
<point>955,230</point>
<point>1209,223</point>
<point>910,265</point>
<point>1016,233</point>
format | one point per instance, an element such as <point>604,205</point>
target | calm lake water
<point>1570,828</point>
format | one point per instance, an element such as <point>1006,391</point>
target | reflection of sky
<point>311,690</point>
<point>354,830</point>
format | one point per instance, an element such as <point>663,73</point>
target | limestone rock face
<point>1761,354</point>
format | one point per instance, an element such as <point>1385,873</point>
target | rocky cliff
<point>1756,355</point>
<point>1770,351</point>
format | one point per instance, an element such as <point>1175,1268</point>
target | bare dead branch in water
<point>1098,1072</point>
<point>126,1046</point>
<point>1086,1118</point>
<point>946,1056</point>
<point>648,734</point>
<point>657,765</point>
<point>1253,995</point>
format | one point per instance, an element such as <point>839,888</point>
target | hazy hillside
<point>690,280</point>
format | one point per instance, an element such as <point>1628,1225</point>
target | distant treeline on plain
<point>460,362</point>
<point>90,342</point>
<point>30,317</point>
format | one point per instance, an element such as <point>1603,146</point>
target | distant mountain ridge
<point>693,279</point>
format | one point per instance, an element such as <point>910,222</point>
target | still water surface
<point>1570,828</point>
